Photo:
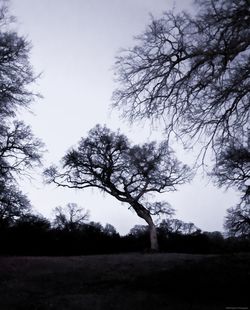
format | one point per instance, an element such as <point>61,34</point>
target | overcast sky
<point>74,46</point>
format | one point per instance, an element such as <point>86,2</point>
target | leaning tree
<point>106,160</point>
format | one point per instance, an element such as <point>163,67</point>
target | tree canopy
<point>192,71</point>
<point>232,168</point>
<point>106,160</point>
<point>237,221</point>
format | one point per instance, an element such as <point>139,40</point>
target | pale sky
<point>74,46</point>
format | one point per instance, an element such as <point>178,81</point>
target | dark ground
<point>126,281</point>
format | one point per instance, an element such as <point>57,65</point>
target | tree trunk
<point>145,214</point>
<point>153,238</point>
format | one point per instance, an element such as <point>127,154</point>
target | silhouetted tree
<point>31,221</point>
<point>232,168</point>
<point>70,218</point>
<point>138,230</point>
<point>189,228</point>
<point>176,226</point>
<point>96,225</point>
<point>13,204</point>
<point>107,161</point>
<point>192,71</point>
<point>109,230</point>
<point>160,208</point>
<point>237,222</point>
<point>19,149</point>
<point>214,235</point>
<point>16,71</point>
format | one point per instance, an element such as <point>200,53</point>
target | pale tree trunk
<point>145,214</point>
<point>153,237</point>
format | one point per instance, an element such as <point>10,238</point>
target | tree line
<point>70,232</point>
<point>191,71</point>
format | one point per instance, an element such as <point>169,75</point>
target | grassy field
<point>125,281</point>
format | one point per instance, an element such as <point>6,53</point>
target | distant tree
<point>192,71</point>
<point>19,149</point>
<point>176,226</point>
<point>32,222</point>
<point>107,161</point>
<point>109,230</point>
<point>138,230</point>
<point>237,222</point>
<point>171,226</point>
<point>160,209</point>
<point>216,235</point>
<point>189,228</point>
<point>70,218</point>
<point>97,226</point>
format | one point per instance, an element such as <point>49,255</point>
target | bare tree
<point>192,71</point>
<point>107,161</point>
<point>232,168</point>
<point>16,71</point>
<point>70,217</point>
<point>19,149</point>
<point>237,222</point>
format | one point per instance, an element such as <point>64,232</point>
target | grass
<point>125,281</point>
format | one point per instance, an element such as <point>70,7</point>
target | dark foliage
<point>33,235</point>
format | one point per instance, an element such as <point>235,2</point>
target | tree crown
<point>107,160</point>
<point>192,71</point>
